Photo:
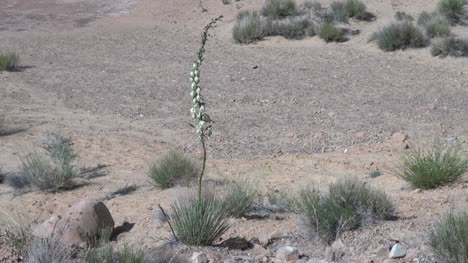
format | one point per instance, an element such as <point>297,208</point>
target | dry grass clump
<point>400,36</point>
<point>279,8</point>
<point>41,250</point>
<point>249,28</point>
<point>289,28</point>
<point>342,11</point>
<point>452,9</point>
<point>449,46</point>
<point>435,25</point>
<point>52,170</point>
<point>172,169</point>
<point>449,239</point>
<point>107,254</point>
<point>330,33</point>
<point>239,197</point>
<point>402,16</point>
<point>432,167</point>
<point>9,61</point>
<point>348,205</point>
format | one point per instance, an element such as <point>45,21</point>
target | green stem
<point>202,140</point>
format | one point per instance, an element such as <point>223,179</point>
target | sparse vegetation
<point>249,28</point>
<point>16,229</point>
<point>435,25</point>
<point>348,205</point>
<point>199,222</point>
<point>449,46</point>
<point>432,167</point>
<point>289,28</point>
<point>355,9</point>
<point>279,8</point>
<point>374,174</point>
<point>402,16</point>
<point>339,11</point>
<point>449,239</point>
<point>400,36</point>
<point>9,61</point>
<point>283,200</point>
<point>329,33</point>
<point>47,250</point>
<point>107,254</point>
<point>239,198</point>
<point>172,169</point>
<point>311,31</point>
<point>452,9</point>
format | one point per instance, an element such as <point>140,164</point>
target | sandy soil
<point>114,77</point>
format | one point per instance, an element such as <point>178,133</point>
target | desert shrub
<point>172,169</point>
<point>402,16</point>
<point>449,46</point>
<point>279,8</point>
<point>199,222</point>
<point>435,25</point>
<point>311,31</point>
<point>47,250</point>
<point>107,254</point>
<point>356,9</point>
<point>59,147</point>
<point>400,36</point>
<point>282,199</point>
<point>329,33</point>
<point>449,239</point>
<point>248,28</point>
<point>339,11</point>
<point>2,122</point>
<point>290,29</point>
<point>47,173</point>
<point>239,198</point>
<point>15,229</point>
<point>432,167</point>
<point>8,61</point>
<point>348,205</point>
<point>452,9</point>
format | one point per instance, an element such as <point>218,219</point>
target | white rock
<point>199,258</point>
<point>398,251</point>
<point>287,253</point>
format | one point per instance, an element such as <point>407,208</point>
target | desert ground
<point>113,76</point>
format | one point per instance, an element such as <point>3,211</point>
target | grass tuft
<point>239,198</point>
<point>348,205</point>
<point>47,250</point>
<point>449,46</point>
<point>449,239</point>
<point>400,36</point>
<point>329,33</point>
<point>433,167</point>
<point>356,9</point>
<point>199,222</point>
<point>9,62</point>
<point>279,8</point>
<point>172,169</point>
<point>434,25</point>
<point>402,16</point>
<point>452,9</point>
<point>290,28</point>
<point>107,254</point>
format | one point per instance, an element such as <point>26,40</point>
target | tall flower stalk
<point>202,120</point>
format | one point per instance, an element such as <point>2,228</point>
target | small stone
<point>398,138</point>
<point>199,257</point>
<point>287,253</point>
<point>235,243</point>
<point>258,250</point>
<point>398,251</point>
<point>361,134</point>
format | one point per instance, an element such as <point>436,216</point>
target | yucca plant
<point>199,221</point>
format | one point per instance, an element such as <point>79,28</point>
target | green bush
<point>8,61</point>
<point>348,205</point>
<point>172,169</point>
<point>107,254</point>
<point>356,9</point>
<point>279,8</point>
<point>435,25</point>
<point>329,33</point>
<point>239,198</point>
<point>338,11</point>
<point>449,239</point>
<point>402,16</point>
<point>375,173</point>
<point>400,36</point>
<point>432,167</point>
<point>452,9</point>
<point>449,46</point>
<point>199,222</point>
